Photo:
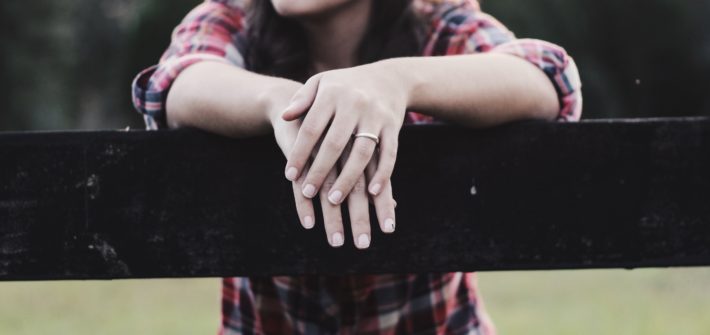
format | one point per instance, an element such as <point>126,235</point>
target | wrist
<point>276,98</point>
<point>400,70</point>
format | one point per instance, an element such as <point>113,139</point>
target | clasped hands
<point>324,159</point>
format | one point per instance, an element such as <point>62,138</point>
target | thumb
<point>302,100</point>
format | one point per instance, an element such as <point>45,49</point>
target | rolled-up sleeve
<point>558,66</point>
<point>207,33</point>
<point>460,27</point>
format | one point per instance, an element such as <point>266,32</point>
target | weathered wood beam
<point>533,195</point>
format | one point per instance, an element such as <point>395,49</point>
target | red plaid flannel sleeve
<point>206,33</point>
<point>460,27</point>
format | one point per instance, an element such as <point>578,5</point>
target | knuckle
<point>301,179</point>
<point>298,195</point>
<point>391,152</point>
<point>362,151</point>
<point>302,203</point>
<point>310,130</point>
<point>298,95</point>
<point>332,144</point>
<point>329,85</point>
<point>328,184</point>
<point>302,207</point>
<point>297,161</point>
<point>333,223</point>
<point>380,178</point>
<point>359,98</point>
<point>362,223</point>
<point>385,202</point>
<point>388,208</point>
<point>381,105</point>
<point>396,120</point>
<point>359,187</point>
<point>314,79</point>
<point>384,173</point>
<point>314,177</point>
<point>384,109</point>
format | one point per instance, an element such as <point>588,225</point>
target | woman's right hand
<point>357,201</point>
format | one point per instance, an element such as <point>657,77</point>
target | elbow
<point>541,99</point>
<point>178,103</point>
<point>172,113</point>
<point>547,105</point>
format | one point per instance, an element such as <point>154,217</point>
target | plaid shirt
<point>363,304</point>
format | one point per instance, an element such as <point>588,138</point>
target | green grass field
<point>648,302</point>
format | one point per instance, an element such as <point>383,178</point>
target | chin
<point>305,8</point>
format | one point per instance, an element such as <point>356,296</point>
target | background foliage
<point>68,64</point>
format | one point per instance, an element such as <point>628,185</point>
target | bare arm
<point>476,90</point>
<point>227,100</point>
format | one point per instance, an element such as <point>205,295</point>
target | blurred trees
<point>69,63</point>
<point>637,58</point>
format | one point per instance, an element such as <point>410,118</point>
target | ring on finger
<point>368,135</point>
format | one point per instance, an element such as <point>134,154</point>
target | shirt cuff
<point>150,87</point>
<point>554,61</point>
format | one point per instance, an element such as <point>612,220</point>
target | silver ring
<point>370,136</point>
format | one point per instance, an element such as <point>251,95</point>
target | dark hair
<point>277,45</point>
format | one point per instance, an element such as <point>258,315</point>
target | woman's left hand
<point>339,104</point>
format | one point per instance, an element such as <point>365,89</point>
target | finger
<point>387,157</point>
<point>328,154</point>
<point>358,156</point>
<point>384,202</point>
<point>359,210</point>
<point>302,99</point>
<point>304,206</point>
<point>370,170</point>
<point>369,200</point>
<point>309,134</point>
<point>332,217</point>
<point>384,206</point>
<point>358,206</point>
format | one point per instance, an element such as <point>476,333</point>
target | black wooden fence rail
<point>533,195</point>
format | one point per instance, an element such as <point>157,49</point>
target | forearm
<point>476,90</point>
<point>227,100</point>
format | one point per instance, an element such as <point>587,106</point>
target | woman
<point>314,72</point>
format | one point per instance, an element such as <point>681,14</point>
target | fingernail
<point>395,203</point>
<point>335,196</point>
<point>308,222</point>
<point>389,226</point>
<point>291,173</point>
<point>337,239</point>
<point>374,189</point>
<point>363,241</point>
<point>309,191</point>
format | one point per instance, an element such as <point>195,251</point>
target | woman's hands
<point>358,200</point>
<point>340,103</point>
